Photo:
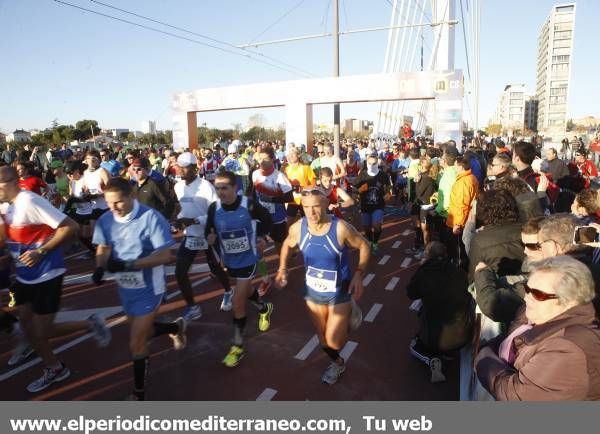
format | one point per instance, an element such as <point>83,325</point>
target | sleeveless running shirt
<point>237,235</point>
<point>93,182</point>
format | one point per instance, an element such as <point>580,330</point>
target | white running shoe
<point>192,313</point>
<point>227,302</point>
<point>21,353</point>
<point>179,339</point>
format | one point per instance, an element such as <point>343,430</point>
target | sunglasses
<point>138,169</point>
<point>539,295</point>
<point>533,246</point>
<point>312,192</point>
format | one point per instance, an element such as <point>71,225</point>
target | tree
<point>256,120</point>
<point>85,127</point>
<point>130,137</point>
<point>570,125</point>
<point>493,130</point>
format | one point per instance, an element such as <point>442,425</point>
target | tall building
<point>149,127</point>
<point>510,112</point>
<point>531,113</point>
<point>555,45</point>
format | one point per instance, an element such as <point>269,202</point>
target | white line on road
<point>396,244</point>
<point>392,283</point>
<point>308,348</point>
<point>406,232</point>
<point>348,350</point>
<point>370,317</point>
<point>267,394</point>
<point>384,260</point>
<point>169,271</point>
<point>405,263</point>
<point>368,279</point>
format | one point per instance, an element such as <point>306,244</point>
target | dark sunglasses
<point>138,169</point>
<point>538,294</point>
<point>533,246</point>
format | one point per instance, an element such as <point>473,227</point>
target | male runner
<point>195,194</point>
<point>231,224</point>
<point>35,231</point>
<point>329,284</point>
<point>133,242</point>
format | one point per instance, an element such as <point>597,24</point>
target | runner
<point>300,176</point>
<point>195,194</point>
<point>35,232</point>
<point>232,163</point>
<point>231,224</point>
<point>209,165</point>
<point>329,284</point>
<point>373,185</point>
<point>337,196</point>
<point>334,163</point>
<point>273,190</point>
<point>94,180</point>
<point>133,241</point>
<point>79,206</point>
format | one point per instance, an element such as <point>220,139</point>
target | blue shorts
<point>340,296</point>
<point>372,218</point>
<point>139,302</point>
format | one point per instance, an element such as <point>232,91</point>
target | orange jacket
<point>463,193</point>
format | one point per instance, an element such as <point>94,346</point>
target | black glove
<point>116,265</point>
<point>97,276</point>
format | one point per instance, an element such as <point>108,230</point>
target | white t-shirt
<point>195,199</point>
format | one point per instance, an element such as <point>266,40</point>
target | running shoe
<point>227,302</point>
<point>411,250</point>
<point>179,339</point>
<point>101,332</point>
<point>333,372</point>
<point>264,319</point>
<point>21,353</point>
<point>50,376</point>
<point>420,254</point>
<point>234,356</point>
<point>436,370</point>
<point>192,313</point>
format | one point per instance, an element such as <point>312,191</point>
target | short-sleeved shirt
<point>32,183</point>
<point>30,222</point>
<point>268,186</point>
<point>195,198</point>
<point>135,236</point>
<point>113,167</point>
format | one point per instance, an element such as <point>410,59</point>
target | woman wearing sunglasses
<point>552,351</point>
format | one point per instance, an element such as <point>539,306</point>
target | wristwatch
<point>41,251</point>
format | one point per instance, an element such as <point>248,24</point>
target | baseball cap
<point>232,148</point>
<point>55,164</point>
<point>186,159</point>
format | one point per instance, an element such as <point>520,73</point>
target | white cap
<point>186,159</point>
<point>233,147</point>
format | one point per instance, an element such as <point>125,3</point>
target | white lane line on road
<point>348,350</point>
<point>267,394</point>
<point>370,317</point>
<point>308,348</point>
<point>169,271</point>
<point>58,350</point>
<point>368,279</point>
<point>392,283</point>
<point>406,232</point>
<point>396,244</point>
<point>405,263</point>
<point>384,260</point>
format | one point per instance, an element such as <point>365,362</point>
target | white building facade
<point>555,47</point>
<point>510,112</point>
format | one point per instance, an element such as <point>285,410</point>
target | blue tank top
<point>325,261</point>
<point>237,235</point>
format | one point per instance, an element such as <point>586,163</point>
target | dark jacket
<point>500,247</point>
<point>424,189</point>
<point>557,360</point>
<point>446,316</point>
<point>559,170</point>
<point>498,300</point>
<point>150,194</point>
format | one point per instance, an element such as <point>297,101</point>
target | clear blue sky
<point>59,62</point>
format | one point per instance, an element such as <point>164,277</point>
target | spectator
<point>446,315</point>
<point>446,182</point>
<point>9,155</point>
<point>583,171</point>
<point>523,156</point>
<point>557,167</point>
<point>586,206</point>
<point>530,204</point>
<point>552,351</point>
<point>499,168</point>
<point>497,242</point>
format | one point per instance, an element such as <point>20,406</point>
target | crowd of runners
<point>505,232</point>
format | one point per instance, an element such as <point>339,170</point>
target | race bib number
<point>235,241</point>
<point>131,279</point>
<point>196,243</point>
<point>210,176</point>
<point>270,206</point>
<point>321,280</point>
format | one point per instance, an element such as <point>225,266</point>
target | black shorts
<point>242,273</point>
<point>293,209</point>
<point>44,297</point>
<point>279,232</point>
<point>97,213</point>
